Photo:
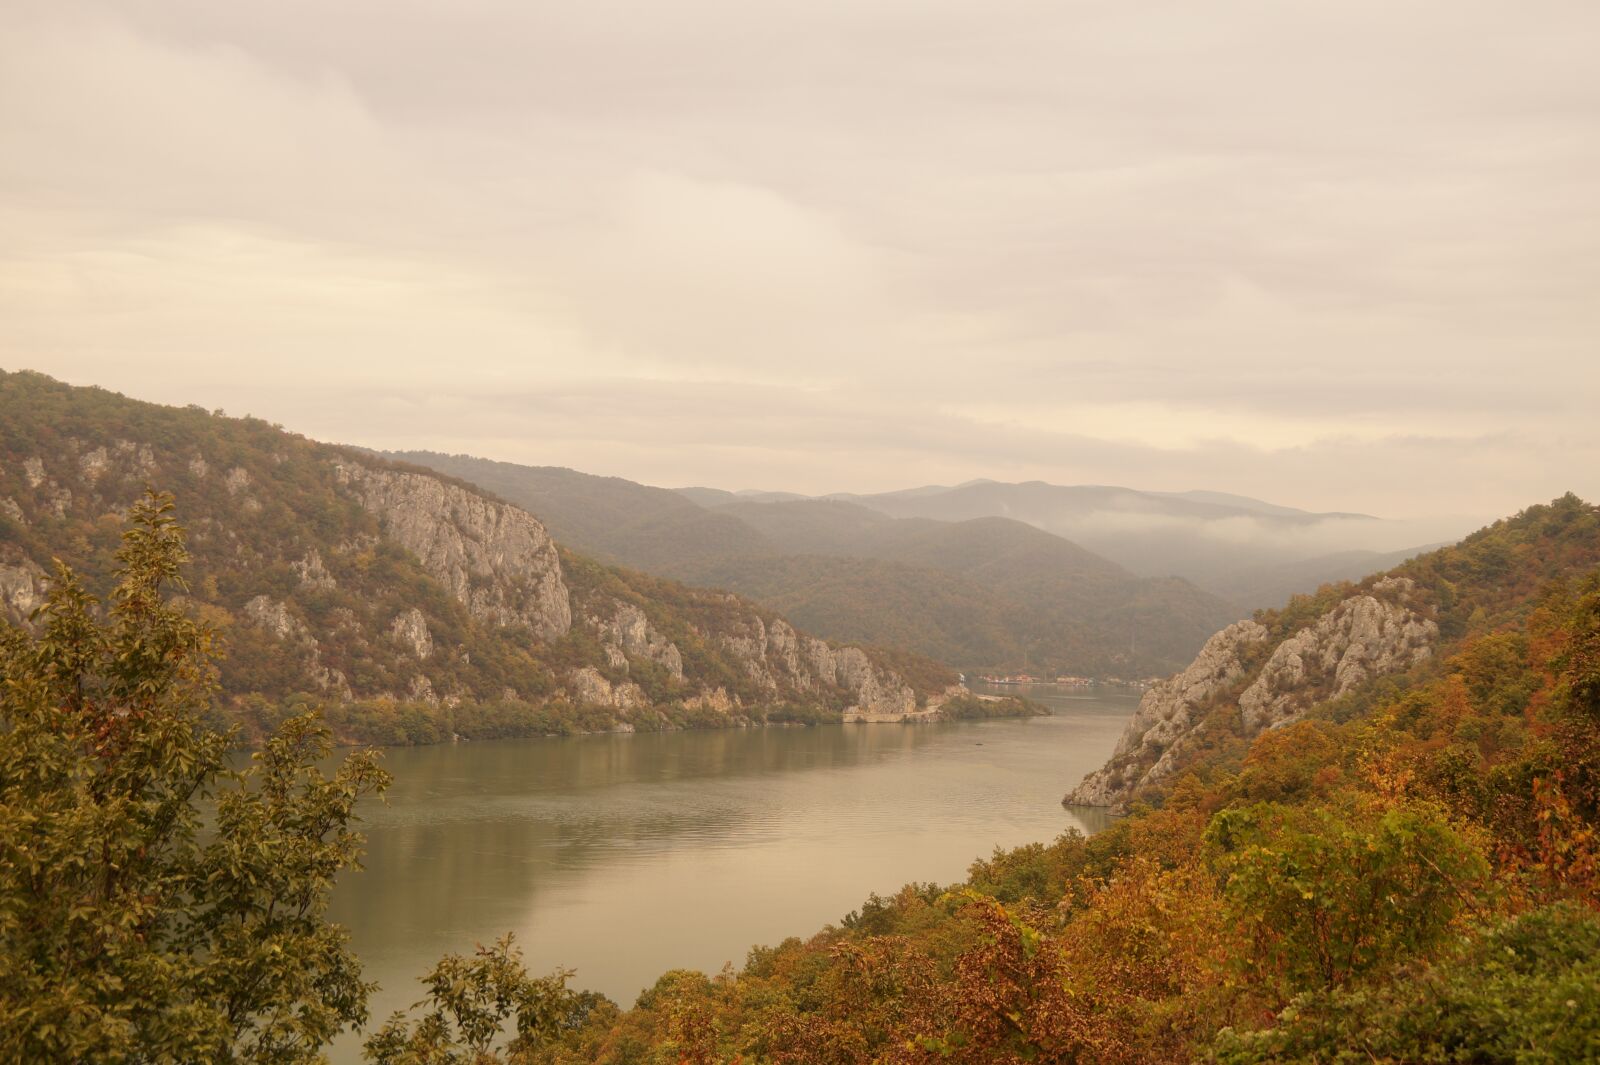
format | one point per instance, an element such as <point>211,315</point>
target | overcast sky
<point>1340,255</point>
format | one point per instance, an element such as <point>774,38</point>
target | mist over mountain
<point>1247,551</point>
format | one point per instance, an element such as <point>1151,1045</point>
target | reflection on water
<point>624,856</point>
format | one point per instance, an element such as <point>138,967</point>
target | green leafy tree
<point>1528,991</point>
<point>1326,894</point>
<point>156,905</point>
<point>471,1001</point>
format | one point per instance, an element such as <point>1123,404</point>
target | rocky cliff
<point>336,573</point>
<point>496,560</point>
<point>1379,630</point>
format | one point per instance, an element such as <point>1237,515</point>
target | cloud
<point>1315,254</point>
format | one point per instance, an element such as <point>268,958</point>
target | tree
<point>1326,894</point>
<point>156,905</point>
<point>469,1003</point>
<point>1526,991</point>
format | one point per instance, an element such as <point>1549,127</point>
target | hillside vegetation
<point>1405,875</point>
<point>415,605</point>
<point>1343,647</point>
<point>985,594</point>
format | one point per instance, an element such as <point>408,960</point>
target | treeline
<point>389,723</point>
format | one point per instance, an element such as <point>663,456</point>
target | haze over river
<point>622,856</point>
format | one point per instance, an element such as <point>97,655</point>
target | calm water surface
<point>624,856</point>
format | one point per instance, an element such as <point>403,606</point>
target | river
<point>622,856</point>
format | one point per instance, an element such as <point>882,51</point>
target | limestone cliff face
<point>21,589</point>
<point>1167,713</point>
<point>587,685</point>
<point>777,654</point>
<point>627,631</point>
<point>496,560</point>
<point>331,572</point>
<point>1367,635</point>
<point>410,630</point>
<point>1363,637</point>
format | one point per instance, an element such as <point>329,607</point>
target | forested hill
<point>985,594</point>
<point>1344,647</point>
<point>417,604</point>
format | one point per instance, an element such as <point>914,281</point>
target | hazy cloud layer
<point>1342,256</point>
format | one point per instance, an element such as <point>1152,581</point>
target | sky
<point>1342,256</point>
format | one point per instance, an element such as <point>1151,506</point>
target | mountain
<point>987,594</point>
<point>1241,549</point>
<point>1061,608</point>
<point>337,575</point>
<point>611,519</point>
<point>1339,648</point>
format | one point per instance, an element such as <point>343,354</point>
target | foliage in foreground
<point>156,905</point>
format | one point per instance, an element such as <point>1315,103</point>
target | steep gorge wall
<point>496,560</point>
<point>1372,634</point>
<point>317,562</point>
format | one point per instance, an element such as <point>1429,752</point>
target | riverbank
<point>388,723</point>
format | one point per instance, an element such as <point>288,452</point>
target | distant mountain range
<point>1247,551</point>
<point>986,593</point>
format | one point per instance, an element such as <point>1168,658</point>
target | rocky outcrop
<point>56,497</point>
<point>410,630</point>
<point>587,686</point>
<point>420,690</point>
<point>496,560</point>
<point>313,574</point>
<point>876,691</point>
<point>139,459</point>
<point>1167,712</point>
<point>716,699</point>
<point>746,641</point>
<point>777,653</point>
<point>1373,634</point>
<point>628,632</point>
<point>21,590</point>
<point>275,617</point>
<point>93,464</point>
<point>1363,637</point>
